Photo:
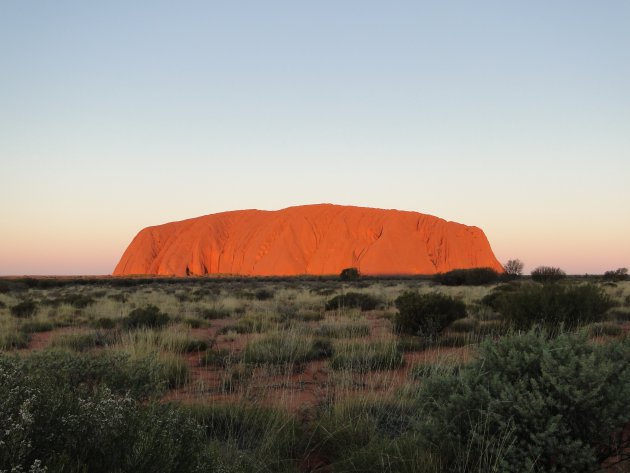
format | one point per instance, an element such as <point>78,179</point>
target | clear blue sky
<point>512,116</point>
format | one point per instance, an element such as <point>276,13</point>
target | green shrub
<point>149,316</point>
<point>306,315</point>
<point>353,300</point>
<point>78,301</point>
<point>531,404</point>
<point>492,298</point>
<point>467,277</point>
<point>120,297</point>
<point>426,314</point>
<point>24,309</point>
<point>141,378</point>
<point>364,357</point>
<point>105,323</point>
<point>349,274</point>
<point>548,274</point>
<point>322,348</point>
<point>264,294</point>
<point>57,427</point>
<point>554,305</point>
<point>221,357</point>
<point>33,326</point>
<point>13,339</point>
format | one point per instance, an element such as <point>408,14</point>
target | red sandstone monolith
<point>311,239</point>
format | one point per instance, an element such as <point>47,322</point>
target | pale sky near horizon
<point>511,116</point>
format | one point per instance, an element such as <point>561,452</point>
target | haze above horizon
<point>513,117</point>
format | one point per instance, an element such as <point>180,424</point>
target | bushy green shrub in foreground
<point>531,404</point>
<point>427,314</point>
<point>54,427</point>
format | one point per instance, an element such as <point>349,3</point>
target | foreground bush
<point>54,427</point>
<point>426,314</point>
<point>530,403</point>
<point>553,305</point>
<point>467,277</point>
<point>353,300</point>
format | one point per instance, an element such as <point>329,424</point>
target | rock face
<point>312,239</point>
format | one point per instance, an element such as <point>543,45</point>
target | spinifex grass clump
<point>353,300</point>
<point>530,403</point>
<point>372,436</point>
<point>364,357</point>
<point>12,338</point>
<point>427,314</point>
<point>343,329</point>
<point>255,323</point>
<point>246,438</point>
<point>83,341</point>
<point>280,348</point>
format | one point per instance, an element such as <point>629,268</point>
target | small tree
<point>349,274</point>
<point>514,268</point>
<point>620,274</point>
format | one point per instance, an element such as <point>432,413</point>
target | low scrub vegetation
<point>24,309</point>
<point>553,306</point>
<point>548,274</point>
<point>467,277</point>
<point>287,375</point>
<point>352,300</point>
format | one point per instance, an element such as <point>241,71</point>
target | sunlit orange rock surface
<point>310,239</point>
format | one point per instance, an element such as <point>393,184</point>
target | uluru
<point>318,239</point>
